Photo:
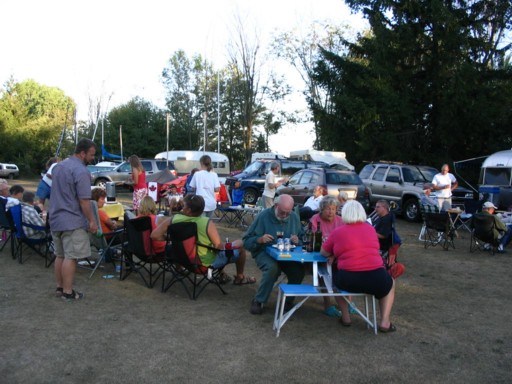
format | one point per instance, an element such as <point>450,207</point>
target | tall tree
<point>428,84</point>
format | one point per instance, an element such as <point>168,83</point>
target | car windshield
<point>254,167</point>
<point>497,176</point>
<point>428,173</point>
<point>339,178</point>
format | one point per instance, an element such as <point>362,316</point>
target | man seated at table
<point>312,205</point>
<point>383,225</point>
<point>207,233</point>
<point>261,234</point>
<point>501,231</point>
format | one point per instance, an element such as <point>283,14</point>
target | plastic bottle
<point>280,245</point>
<point>287,245</point>
<point>317,238</point>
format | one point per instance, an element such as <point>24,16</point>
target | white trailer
<point>329,157</point>
<point>185,161</point>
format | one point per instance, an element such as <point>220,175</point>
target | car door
<point>392,185</point>
<point>376,183</point>
<point>303,187</point>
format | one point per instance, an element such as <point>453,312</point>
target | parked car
<point>302,183</point>
<point>122,172</point>
<point>252,179</point>
<point>9,171</point>
<point>403,184</point>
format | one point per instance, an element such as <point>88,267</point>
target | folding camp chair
<point>7,228</point>
<point>105,244</point>
<point>438,230</point>
<point>231,212</point>
<point>41,245</point>
<point>184,264</point>
<point>483,236</point>
<point>425,208</point>
<point>138,253</point>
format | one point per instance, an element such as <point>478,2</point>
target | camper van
<point>185,161</point>
<point>336,160</point>
<point>495,179</point>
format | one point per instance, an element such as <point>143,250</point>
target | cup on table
<point>279,234</point>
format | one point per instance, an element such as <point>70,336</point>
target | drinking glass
<point>279,234</point>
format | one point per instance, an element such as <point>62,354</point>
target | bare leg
<point>345,315</point>
<point>240,263</point>
<point>385,305</point>
<point>68,275</point>
<point>58,270</point>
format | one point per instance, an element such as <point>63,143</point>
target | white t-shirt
<point>270,179</point>
<point>441,180</point>
<point>47,176</point>
<point>205,184</point>
<point>313,203</point>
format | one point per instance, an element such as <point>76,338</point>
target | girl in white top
<point>205,183</point>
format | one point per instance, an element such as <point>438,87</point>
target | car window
<point>393,175</point>
<point>125,167</point>
<point>366,171</point>
<point>295,178</point>
<point>497,176</point>
<point>161,165</point>
<point>289,168</point>
<point>147,166</point>
<point>339,178</point>
<point>254,167</point>
<point>307,178</point>
<point>379,173</point>
<point>427,173</point>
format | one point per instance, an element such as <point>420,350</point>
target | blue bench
<point>306,291</point>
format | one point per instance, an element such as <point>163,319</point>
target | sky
<point>99,48</point>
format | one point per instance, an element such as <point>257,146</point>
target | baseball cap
<point>488,204</point>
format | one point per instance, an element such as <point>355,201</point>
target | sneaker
<point>256,307</point>
<point>72,296</point>
<point>500,249</point>
<point>487,246</point>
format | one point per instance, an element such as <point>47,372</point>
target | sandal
<point>72,296</point>
<point>224,278</point>
<point>59,291</point>
<point>345,324</point>
<point>389,329</point>
<point>243,280</point>
<point>332,311</point>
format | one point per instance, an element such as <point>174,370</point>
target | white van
<point>496,178</point>
<point>185,161</point>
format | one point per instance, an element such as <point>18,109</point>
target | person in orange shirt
<point>107,224</point>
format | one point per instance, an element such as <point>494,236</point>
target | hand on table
<point>266,238</point>
<point>294,239</point>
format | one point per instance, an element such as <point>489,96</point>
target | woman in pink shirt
<point>354,247</point>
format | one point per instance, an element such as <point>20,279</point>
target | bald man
<point>262,233</point>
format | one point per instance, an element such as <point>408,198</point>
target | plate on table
<point>292,246</point>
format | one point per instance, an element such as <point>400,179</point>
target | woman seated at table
<point>355,249</point>
<point>148,208</point>
<point>107,224</point>
<point>328,222</point>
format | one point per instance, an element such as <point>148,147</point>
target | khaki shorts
<point>72,244</point>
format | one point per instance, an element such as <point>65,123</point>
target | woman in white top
<point>205,183</point>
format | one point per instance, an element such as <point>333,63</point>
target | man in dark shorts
<point>71,216</point>
<point>383,225</point>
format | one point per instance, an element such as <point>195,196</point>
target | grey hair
<point>274,165</point>
<point>343,196</point>
<point>328,201</point>
<point>353,212</point>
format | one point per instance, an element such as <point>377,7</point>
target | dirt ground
<point>452,313</point>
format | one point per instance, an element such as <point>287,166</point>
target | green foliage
<point>32,117</point>
<point>428,84</point>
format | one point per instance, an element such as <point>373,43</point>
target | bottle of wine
<point>307,240</point>
<point>317,238</point>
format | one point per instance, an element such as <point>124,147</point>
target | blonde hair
<point>135,162</point>
<point>147,206</point>
<point>353,212</point>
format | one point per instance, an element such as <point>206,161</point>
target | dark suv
<point>252,179</point>
<point>301,185</point>
<point>122,172</point>
<point>403,184</point>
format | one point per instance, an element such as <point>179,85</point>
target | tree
<point>32,117</point>
<point>428,84</point>
<point>143,130</point>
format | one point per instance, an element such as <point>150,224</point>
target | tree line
<point>429,82</point>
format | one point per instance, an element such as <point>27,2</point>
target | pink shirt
<point>355,247</point>
<point>325,226</point>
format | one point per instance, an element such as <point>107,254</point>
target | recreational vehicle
<point>495,179</point>
<point>185,161</point>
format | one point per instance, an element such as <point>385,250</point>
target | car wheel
<point>102,183</point>
<point>411,210</point>
<point>250,196</point>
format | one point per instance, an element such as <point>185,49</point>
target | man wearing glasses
<point>261,233</point>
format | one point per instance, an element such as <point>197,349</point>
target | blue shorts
<point>222,259</point>
<point>43,190</point>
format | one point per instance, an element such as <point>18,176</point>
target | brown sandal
<point>243,280</point>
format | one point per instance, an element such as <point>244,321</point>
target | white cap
<point>488,205</point>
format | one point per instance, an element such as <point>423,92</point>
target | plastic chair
<point>7,227</point>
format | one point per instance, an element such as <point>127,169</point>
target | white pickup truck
<point>9,171</point>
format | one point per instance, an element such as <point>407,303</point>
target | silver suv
<point>397,182</point>
<point>122,172</point>
<point>9,170</point>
